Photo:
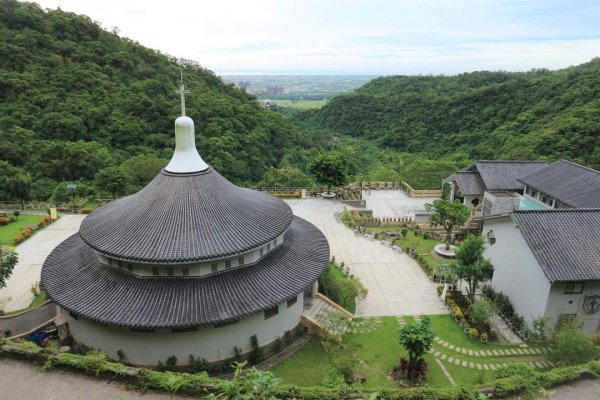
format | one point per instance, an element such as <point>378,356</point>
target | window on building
<point>110,262</point>
<point>185,271</point>
<point>574,287</point>
<point>170,271</point>
<point>214,267</point>
<point>142,330</point>
<point>291,302</point>
<point>182,330</point>
<point>268,246</point>
<point>155,271</point>
<point>129,267</point>
<point>487,207</point>
<point>564,319</point>
<point>241,260</point>
<point>271,312</point>
<point>491,237</point>
<point>262,251</point>
<point>228,264</point>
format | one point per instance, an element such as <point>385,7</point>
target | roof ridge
<point>511,161</point>
<point>578,165</point>
<point>554,210</point>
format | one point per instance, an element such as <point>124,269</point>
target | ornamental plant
<point>473,333</point>
<point>26,233</point>
<point>484,337</point>
<point>18,238</point>
<point>416,339</point>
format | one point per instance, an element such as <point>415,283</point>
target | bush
<point>18,238</point>
<point>480,311</point>
<point>42,223</point>
<point>26,233</point>
<point>257,351</point>
<point>86,210</point>
<point>198,364</point>
<point>12,219</point>
<point>4,221</point>
<point>473,332</point>
<point>569,345</point>
<point>16,214</point>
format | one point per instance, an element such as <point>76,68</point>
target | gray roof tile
<point>469,182</point>
<point>572,184</point>
<point>566,243</point>
<point>209,216</point>
<point>77,282</point>
<point>502,175</point>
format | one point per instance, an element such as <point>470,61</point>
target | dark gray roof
<point>566,243</point>
<point>503,175</point>
<point>77,282</point>
<point>571,184</point>
<point>184,218</point>
<point>469,182</point>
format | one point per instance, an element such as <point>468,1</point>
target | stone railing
<point>411,192</point>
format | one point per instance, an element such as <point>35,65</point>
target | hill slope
<point>75,98</point>
<point>480,115</point>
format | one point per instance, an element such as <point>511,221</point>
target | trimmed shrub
<point>26,233</point>
<point>4,221</point>
<point>18,238</point>
<point>86,210</point>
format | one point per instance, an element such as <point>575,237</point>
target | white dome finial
<point>186,158</point>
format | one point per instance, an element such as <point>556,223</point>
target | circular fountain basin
<point>440,250</point>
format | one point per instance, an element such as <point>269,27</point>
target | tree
<point>15,183</point>
<point>73,193</point>
<point>329,169</point>
<point>471,266</point>
<point>112,180</point>
<point>289,177</point>
<point>8,260</point>
<point>416,339</point>
<point>448,215</point>
<point>350,289</point>
<point>142,168</point>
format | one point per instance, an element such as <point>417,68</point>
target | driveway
<point>397,285</point>
<point>32,254</point>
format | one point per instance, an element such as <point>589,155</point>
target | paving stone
<point>437,353</point>
<point>457,361</point>
<point>513,351</point>
<point>476,353</point>
<point>470,352</point>
<point>464,351</point>
<point>450,359</point>
<point>495,352</point>
<point>485,366</point>
<point>463,363</point>
<point>452,347</point>
<point>446,344</point>
<point>492,366</point>
<point>443,357</point>
<point>520,351</point>
<point>471,365</point>
<point>478,366</point>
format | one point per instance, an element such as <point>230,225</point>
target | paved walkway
<point>397,285</point>
<point>32,254</point>
<point>394,203</point>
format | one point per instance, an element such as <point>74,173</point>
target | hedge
<point>98,364</point>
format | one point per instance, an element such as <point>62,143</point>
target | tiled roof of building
<point>184,218</point>
<point>571,184</point>
<point>76,281</point>
<point>503,175</point>
<point>566,243</point>
<point>469,182</point>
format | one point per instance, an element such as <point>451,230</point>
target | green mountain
<point>75,99</point>
<point>480,115</point>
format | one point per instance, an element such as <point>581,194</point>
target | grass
<point>337,273</point>
<point>7,232</point>
<point>300,104</point>
<point>306,367</point>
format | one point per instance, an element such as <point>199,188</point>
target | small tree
<point>75,194</point>
<point>471,266</point>
<point>8,260</point>
<point>448,215</point>
<point>416,339</point>
<point>112,180</point>
<point>351,288</point>
<point>329,169</point>
<point>333,325</point>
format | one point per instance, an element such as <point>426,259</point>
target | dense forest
<point>76,99</point>
<point>539,114</point>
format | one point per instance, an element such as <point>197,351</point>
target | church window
<point>155,271</point>
<point>241,260</point>
<point>129,267</point>
<point>291,302</point>
<point>228,264</point>
<point>271,312</point>
<point>574,288</point>
<point>119,264</point>
<point>185,271</point>
<point>268,246</point>
<point>170,271</point>
<point>262,251</point>
<point>214,267</point>
<point>110,262</point>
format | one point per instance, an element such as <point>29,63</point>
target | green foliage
<point>198,364</point>
<point>570,346</point>
<point>480,311</point>
<point>417,338</point>
<point>8,260</point>
<point>333,325</point>
<point>332,378</point>
<point>448,215</point>
<point>142,168</point>
<point>329,169</point>
<point>287,177</point>
<point>112,180</point>
<point>478,115</point>
<point>76,197</point>
<point>15,183</point>
<point>471,266</point>
<point>342,289</point>
<point>258,353</point>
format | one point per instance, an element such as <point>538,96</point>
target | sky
<point>369,37</point>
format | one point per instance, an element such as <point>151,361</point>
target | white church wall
<point>516,271</point>
<point>560,302</point>
<point>209,342</point>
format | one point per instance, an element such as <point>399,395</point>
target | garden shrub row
<point>28,231</point>
<point>508,381</point>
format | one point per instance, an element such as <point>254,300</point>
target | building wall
<point>516,271</point>
<point>209,342</point>
<point>561,303</point>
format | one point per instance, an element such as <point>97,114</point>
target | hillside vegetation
<point>539,114</point>
<point>75,99</point>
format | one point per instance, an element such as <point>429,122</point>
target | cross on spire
<point>182,92</point>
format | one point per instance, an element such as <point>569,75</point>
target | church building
<point>190,264</point>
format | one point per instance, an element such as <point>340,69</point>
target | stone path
<point>32,254</point>
<point>397,285</point>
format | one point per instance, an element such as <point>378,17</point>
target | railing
<point>421,193</point>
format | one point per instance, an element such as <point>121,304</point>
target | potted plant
<point>483,338</point>
<point>473,333</point>
<point>463,322</point>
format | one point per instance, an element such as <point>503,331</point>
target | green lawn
<point>7,232</point>
<point>381,351</point>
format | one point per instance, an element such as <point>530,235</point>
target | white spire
<point>186,158</point>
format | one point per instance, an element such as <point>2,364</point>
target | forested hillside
<point>481,115</point>
<point>76,99</point>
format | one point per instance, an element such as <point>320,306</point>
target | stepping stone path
<point>365,325</point>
